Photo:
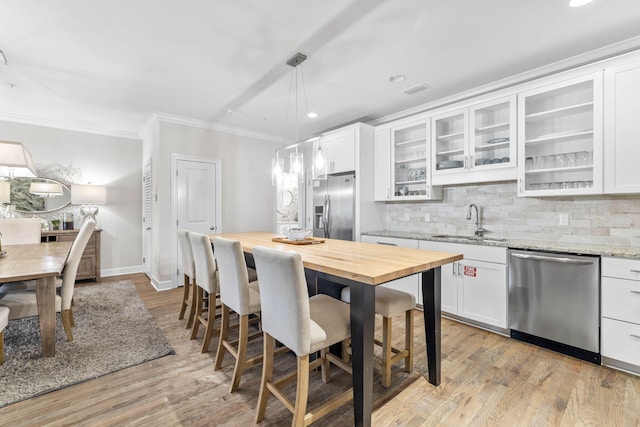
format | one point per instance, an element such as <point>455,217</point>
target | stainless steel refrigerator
<point>334,207</point>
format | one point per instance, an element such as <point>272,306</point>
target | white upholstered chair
<point>304,325</point>
<point>189,273</point>
<point>241,296</point>
<point>20,231</point>
<point>207,281</point>
<point>24,304</point>
<point>4,321</point>
<point>389,303</point>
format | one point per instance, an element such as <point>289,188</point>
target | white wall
<point>109,160</point>
<point>247,194</point>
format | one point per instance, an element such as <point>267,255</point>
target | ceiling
<point>109,65</point>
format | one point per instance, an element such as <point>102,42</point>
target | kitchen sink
<point>469,238</point>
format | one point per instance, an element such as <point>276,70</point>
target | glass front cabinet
<point>475,143</point>
<point>402,161</point>
<point>560,138</point>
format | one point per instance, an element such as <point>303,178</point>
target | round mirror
<point>38,195</point>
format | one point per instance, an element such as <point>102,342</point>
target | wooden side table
<point>89,267</point>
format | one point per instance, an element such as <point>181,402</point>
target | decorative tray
<point>307,241</point>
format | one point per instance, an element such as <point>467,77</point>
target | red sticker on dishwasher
<point>469,271</point>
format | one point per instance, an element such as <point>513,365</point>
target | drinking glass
<point>561,161</point>
<point>581,158</point>
<point>571,159</point>
<point>528,163</point>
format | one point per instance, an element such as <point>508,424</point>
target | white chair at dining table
<point>23,303</point>
<point>20,231</point>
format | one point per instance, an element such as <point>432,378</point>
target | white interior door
<point>146,219</point>
<point>196,199</point>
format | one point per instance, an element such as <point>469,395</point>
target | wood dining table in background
<point>41,262</point>
<point>363,266</point>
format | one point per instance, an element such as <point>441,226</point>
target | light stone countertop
<point>577,248</point>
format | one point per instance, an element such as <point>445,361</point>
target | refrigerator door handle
<point>327,203</point>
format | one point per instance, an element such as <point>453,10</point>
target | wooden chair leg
<point>199,303</point>
<point>185,298</point>
<point>408,340</point>
<point>302,391</point>
<point>243,340</point>
<point>67,323</point>
<point>224,334</point>
<point>325,368</point>
<point>210,327</point>
<point>267,373</point>
<point>1,347</point>
<point>192,308</point>
<point>386,352</point>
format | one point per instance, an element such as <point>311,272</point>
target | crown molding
<point>58,124</point>
<point>201,124</point>
<point>574,62</point>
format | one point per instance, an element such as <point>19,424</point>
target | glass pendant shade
<point>296,165</point>
<point>277,171</point>
<point>319,164</point>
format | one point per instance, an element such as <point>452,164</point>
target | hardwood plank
<point>487,379</point>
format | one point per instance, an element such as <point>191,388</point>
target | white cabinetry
<point>476,143</point>
<point>622,129</point>
<point>620,329</point>
<point>402,161</point>
<point>339,147</point>
<point>476,287</point>
<point>560,137</point>
<point>409,284</point>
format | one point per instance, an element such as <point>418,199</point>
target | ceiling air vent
<point>416,88</point>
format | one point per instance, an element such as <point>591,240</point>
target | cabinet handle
<point>459,273</point>
<point>386,243</point>
<point>635,271</point>
<point>453,270</point>
<point>634,336</point>
<point>635,292</point>
<point>470,162</point>
<point>387,193</point>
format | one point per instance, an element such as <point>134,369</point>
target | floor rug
<point>113,331</point>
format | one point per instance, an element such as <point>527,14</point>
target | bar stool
<point>188,271</point>
<point>389,303</point>
<point>206,272</point>
<point>4,321</point>
<point>241,296</point>
<point>304,325</point>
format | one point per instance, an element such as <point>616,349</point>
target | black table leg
<point>432,321</point>
<point>362,328</point>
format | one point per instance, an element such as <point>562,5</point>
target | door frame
<point>175,158</point>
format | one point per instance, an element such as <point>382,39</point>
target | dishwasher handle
<point>552,259</point>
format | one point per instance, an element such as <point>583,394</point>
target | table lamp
<point>89,196</point>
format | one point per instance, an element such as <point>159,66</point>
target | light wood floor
<point>487,379</point>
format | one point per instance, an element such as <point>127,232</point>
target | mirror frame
<point>21,198</point>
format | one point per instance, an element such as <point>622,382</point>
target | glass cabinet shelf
<point>413,141</point>
<point>493,128</point>
<point>558,136</point>
<point>571,109</point>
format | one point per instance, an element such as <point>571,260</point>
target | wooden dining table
<point>41,262</point>
<point>362,267</point>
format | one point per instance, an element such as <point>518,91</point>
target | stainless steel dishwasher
<point>554,301</point>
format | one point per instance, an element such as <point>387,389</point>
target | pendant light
<point>15,160</point>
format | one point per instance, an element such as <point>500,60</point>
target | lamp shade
<point>15,160</point>
<point>45,189</point>
<point>87,194</point>
<point>5,191</point>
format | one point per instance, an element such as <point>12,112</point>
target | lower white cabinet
<point>620,323</point>
<point>409,284</point>
<point>476,287</point>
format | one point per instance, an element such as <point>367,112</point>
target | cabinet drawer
<point>621,341</point>
<point>621,299</point>
<point>91,245</point>
<point>621,268</point>
<point>66,237</point>
<point>477,252</point>
<point>393,241</point>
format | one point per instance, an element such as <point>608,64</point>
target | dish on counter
<point>296,234</point>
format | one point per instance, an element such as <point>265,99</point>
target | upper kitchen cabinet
<point>339,147</point>
<point>402,161</point>
<point>475,143</point>
<point>622,129</point>
<point>560,138</point>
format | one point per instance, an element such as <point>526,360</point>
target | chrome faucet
<point>479,230</point>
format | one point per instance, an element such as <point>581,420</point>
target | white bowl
<point>297,233</point>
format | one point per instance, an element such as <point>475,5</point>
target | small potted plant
<point>55,223</point>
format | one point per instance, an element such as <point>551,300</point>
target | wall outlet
<point>564,219</point>
<point>427,217</point>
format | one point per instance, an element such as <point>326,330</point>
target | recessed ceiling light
<point>229,111</point>
<point>397,78</point>
<point>578,3</point>
<point>312,115</point>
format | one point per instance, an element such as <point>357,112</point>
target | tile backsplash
<point>604,220</point>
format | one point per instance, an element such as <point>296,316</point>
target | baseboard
<point>108,272</point>
<point>161,286</point>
